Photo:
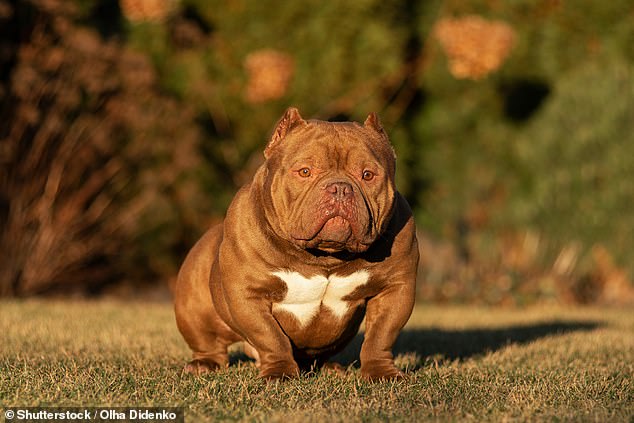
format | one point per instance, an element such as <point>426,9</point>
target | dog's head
<point>329,186</point>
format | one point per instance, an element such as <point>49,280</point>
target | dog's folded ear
<point>291,119</point>
<point>373,122</point>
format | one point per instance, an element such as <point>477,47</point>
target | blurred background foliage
<point>127,126</point>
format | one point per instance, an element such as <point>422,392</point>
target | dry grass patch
<point>467,363</point>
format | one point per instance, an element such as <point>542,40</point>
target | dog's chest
<point>306,295</point>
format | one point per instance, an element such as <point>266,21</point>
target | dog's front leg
<point>386,314</point>
<point>254,320</point>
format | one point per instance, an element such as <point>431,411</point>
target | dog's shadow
<point>442,344</point>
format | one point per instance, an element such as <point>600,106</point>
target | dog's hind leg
<point>208,343</point>
<point>196,317</point>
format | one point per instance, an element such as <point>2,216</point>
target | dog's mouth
<point>336,229</point>
<point>336,233</point>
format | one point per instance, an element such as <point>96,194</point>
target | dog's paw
<point>201,366</point>
<point>279,371</point>
<point>377,373</point>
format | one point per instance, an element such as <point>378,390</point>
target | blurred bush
<point>91,183</point>
<point>127,127</point>
<point>540,150</point>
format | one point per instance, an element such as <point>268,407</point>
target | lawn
<point>464,363</point>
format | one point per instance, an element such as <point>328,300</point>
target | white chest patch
<point>305,295</point>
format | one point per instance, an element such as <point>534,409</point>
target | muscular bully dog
<point>319,239</point>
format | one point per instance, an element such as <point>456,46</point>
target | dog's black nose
<point>339,189</point>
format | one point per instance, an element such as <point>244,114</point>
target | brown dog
<point>317,240</point>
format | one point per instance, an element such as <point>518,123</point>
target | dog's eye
<point>304,172</point>
<point>367,175</point>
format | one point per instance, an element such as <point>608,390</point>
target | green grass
<point>464,363</point>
